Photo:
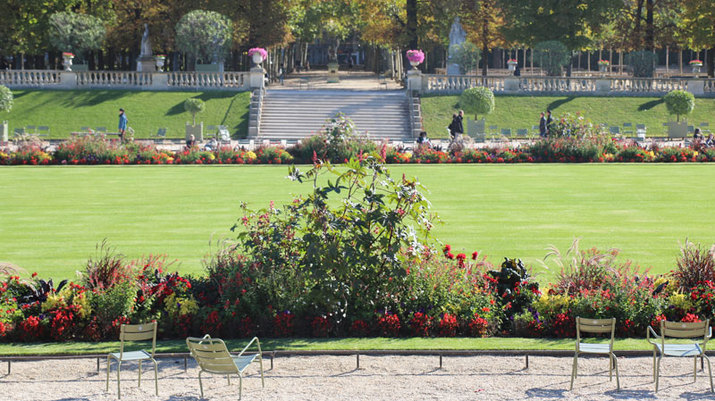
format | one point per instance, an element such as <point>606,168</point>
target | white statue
<point>146,43</point>
<point>457,36</point>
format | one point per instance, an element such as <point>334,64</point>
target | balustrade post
<point>68,80</point>
<point>255,78</point>
<point>159,81</point>
<point>414,80</point>
<point>603,86</point>
<point>696,87</point>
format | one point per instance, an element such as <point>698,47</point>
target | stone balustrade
<point>156,81</point>
<point>562,85</point>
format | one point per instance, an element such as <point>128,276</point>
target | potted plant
<point>160,61</point>
<point>416,57</point>
<point>696,65</point>
<point>680,103</point>
<point>67,60</point>
<point>194,106</point>
<point>603,65</point>
<point>512,64</point>
<point>258,55</point>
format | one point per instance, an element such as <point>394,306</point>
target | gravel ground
<point>379,378</point>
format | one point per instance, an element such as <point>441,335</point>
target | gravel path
<point>379,378</point>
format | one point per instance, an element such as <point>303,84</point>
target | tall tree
<point>698,23</point>
<point>483,21</point>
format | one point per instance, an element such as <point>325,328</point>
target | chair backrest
<point>30,127</point>
<point>627,125</point>
<point>101,129</point>
<point>614,130</point>
<point>161,132</point>
<point>84,129</point>
<point>506,131</point>
<point>691,128</point>
<point>684,329</point>
<point>640,126</point>
<point>704,124</point>
<point>211,354</point>
<point>522,132</point>
<point>138,332</point>
<point>43,128</point>
<point>595,326</point>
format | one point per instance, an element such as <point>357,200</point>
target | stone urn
<point>512,65</point>
<point>333,76</point>
<point>257,58</point>
<point>67,61</point>
<point>160,62</point>
<point>414,64</point>
<point>603,67</point>
<point>696,68</point>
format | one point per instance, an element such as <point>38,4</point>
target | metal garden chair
<point>135,332</point>
<point>213,357</point>
<point>596,326</point>
<point>678,331</point>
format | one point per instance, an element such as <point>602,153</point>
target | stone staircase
<point>295,114</point>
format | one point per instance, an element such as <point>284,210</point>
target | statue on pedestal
<point>457,36</point>
<point>146,62</point>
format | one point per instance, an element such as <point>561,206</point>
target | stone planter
<point>603,67</point>
<point>333,73</point>
<point>696,68</point>
<point>512,65</point>
<point>414,64</point>
<point>67,63</point>
<point>257,58</point>
<point>677,130</point>
<point>160,61</point>
<point>196,130</point>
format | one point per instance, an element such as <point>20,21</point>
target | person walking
<point>122,128</point>
<point>542,125</point>
<point>549,120</point>
<point>459,125</point>
<point>451,127</point>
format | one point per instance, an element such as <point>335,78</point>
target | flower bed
<point>352,258</point>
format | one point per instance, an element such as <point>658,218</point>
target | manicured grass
<point>66,111</point>
<point>523,111</point>
<point>53,217</point>
<point>313,344</point>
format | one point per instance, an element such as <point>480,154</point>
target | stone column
<point>414,80</point>
<point>159,81</point>
<point>68,80</point>
<point>696,87</point>
<point>3,132</point>
<point>603,86</point>
<point>255,78</point>
<point>511,85</point>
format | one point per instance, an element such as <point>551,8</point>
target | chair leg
<point>228,377</point>
<point>119,387</point>
<point>653,365</point>
<point>201,385</point>
<point>710,373</point>
<point>615,364</point>
<point>240,386</point>
<point>260,361</point>
<point>156,378</point>
<point>610,367</point>
<point>574,370</point>
<point>657,374</point>
<point>108,362</point>
<point>695,368</point>
<point>140,374</point>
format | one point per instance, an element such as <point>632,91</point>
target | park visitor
<point>451,126</point>
<point>549,120</point>
<point>422,139</point>
<point>122,128</point>
<point>459,125</point>
<point>710,142</point>
<point>542,125</point>
<point>191,142</point>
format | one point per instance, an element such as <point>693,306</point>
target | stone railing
<point>156,81</point>
<point>566,85</point>
<point>114,79</point>
<point>29,78</point>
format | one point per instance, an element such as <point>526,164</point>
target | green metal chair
<point>596,326</point>
<point>680,331</point>
<point>213,357</point>
<point>135,332</point>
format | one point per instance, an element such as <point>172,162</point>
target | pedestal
<point>677,130</point>
<point>333,73</point>
<point>68,80</point>
<point>511,84</point>
<point>196,130</point>
<point>696,87</point>
<point>453,69</point>
<point>3,132</point>
<point>146,64</point>
<point>159,81</point>
<point>414,80</point>
<point>255,78</point>
<point>603,85</point>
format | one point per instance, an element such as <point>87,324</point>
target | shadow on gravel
<point>544,393</point>
<point>630,394</point>
<point>698,396</point>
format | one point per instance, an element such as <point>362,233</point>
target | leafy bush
<point>6,98</point>
<point>194,105</point>
<point>204,35</point>
<point>337,142</point>
<point>106,269</point>
<point>552,56</point>
<point>679,102</point>
<point>466,55</point>
<point>695,265</point>
<point>76,33</point>
<point>479,100</point>
<point>642,63</point>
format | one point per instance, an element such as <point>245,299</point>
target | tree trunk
<point>485,57</point>
<point>711,62</point>
<point>649,28</point>
<point>680,60</point>
<point>411,27</point>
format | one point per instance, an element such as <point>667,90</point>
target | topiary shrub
<point>204,35</point>
<point>6,98</point>
<point>679,102</point>
<point>479,100</point>
<point>77,33</point>
<point>551,55</point>
<point>642,62</point>
<point>194,106</point>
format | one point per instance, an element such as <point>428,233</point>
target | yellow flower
<point>211,156</point>
<point>250,155</point>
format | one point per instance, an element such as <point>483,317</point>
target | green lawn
<point>66,111</point>
<point>317,344</point>
<point>51,218</point>
<point>523,111</point>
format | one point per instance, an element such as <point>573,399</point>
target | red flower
<point>474,255</point>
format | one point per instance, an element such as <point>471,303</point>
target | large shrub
<point>76,33</point>
<point>6,98</point>
<point>466,55</point>
<point>642,63</point>
<point>695,265</point>
<point>679,102</point>
<point>194,106</point>
<point>479,100</point>
<point>552,56</point>
<point>204,35</point>
<point>337,142</point>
